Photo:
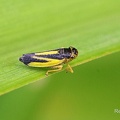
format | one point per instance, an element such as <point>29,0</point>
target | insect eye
<point>75,52</point>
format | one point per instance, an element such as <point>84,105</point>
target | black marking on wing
<point>28,58</point>
<point>62,53</point>
<point>52,56</point>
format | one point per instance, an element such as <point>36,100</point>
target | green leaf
<point>33,26</point>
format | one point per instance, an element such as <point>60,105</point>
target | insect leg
<point>56,68</point>
<point>69,68</point>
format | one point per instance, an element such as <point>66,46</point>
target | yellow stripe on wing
<point>47,52</point>
<point>50,63</point>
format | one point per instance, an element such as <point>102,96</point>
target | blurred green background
<point>92,92</point>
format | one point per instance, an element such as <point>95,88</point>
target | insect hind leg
<point>56,68</point>
<point>69,69</point>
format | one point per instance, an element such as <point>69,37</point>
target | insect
<point>52,58</point>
